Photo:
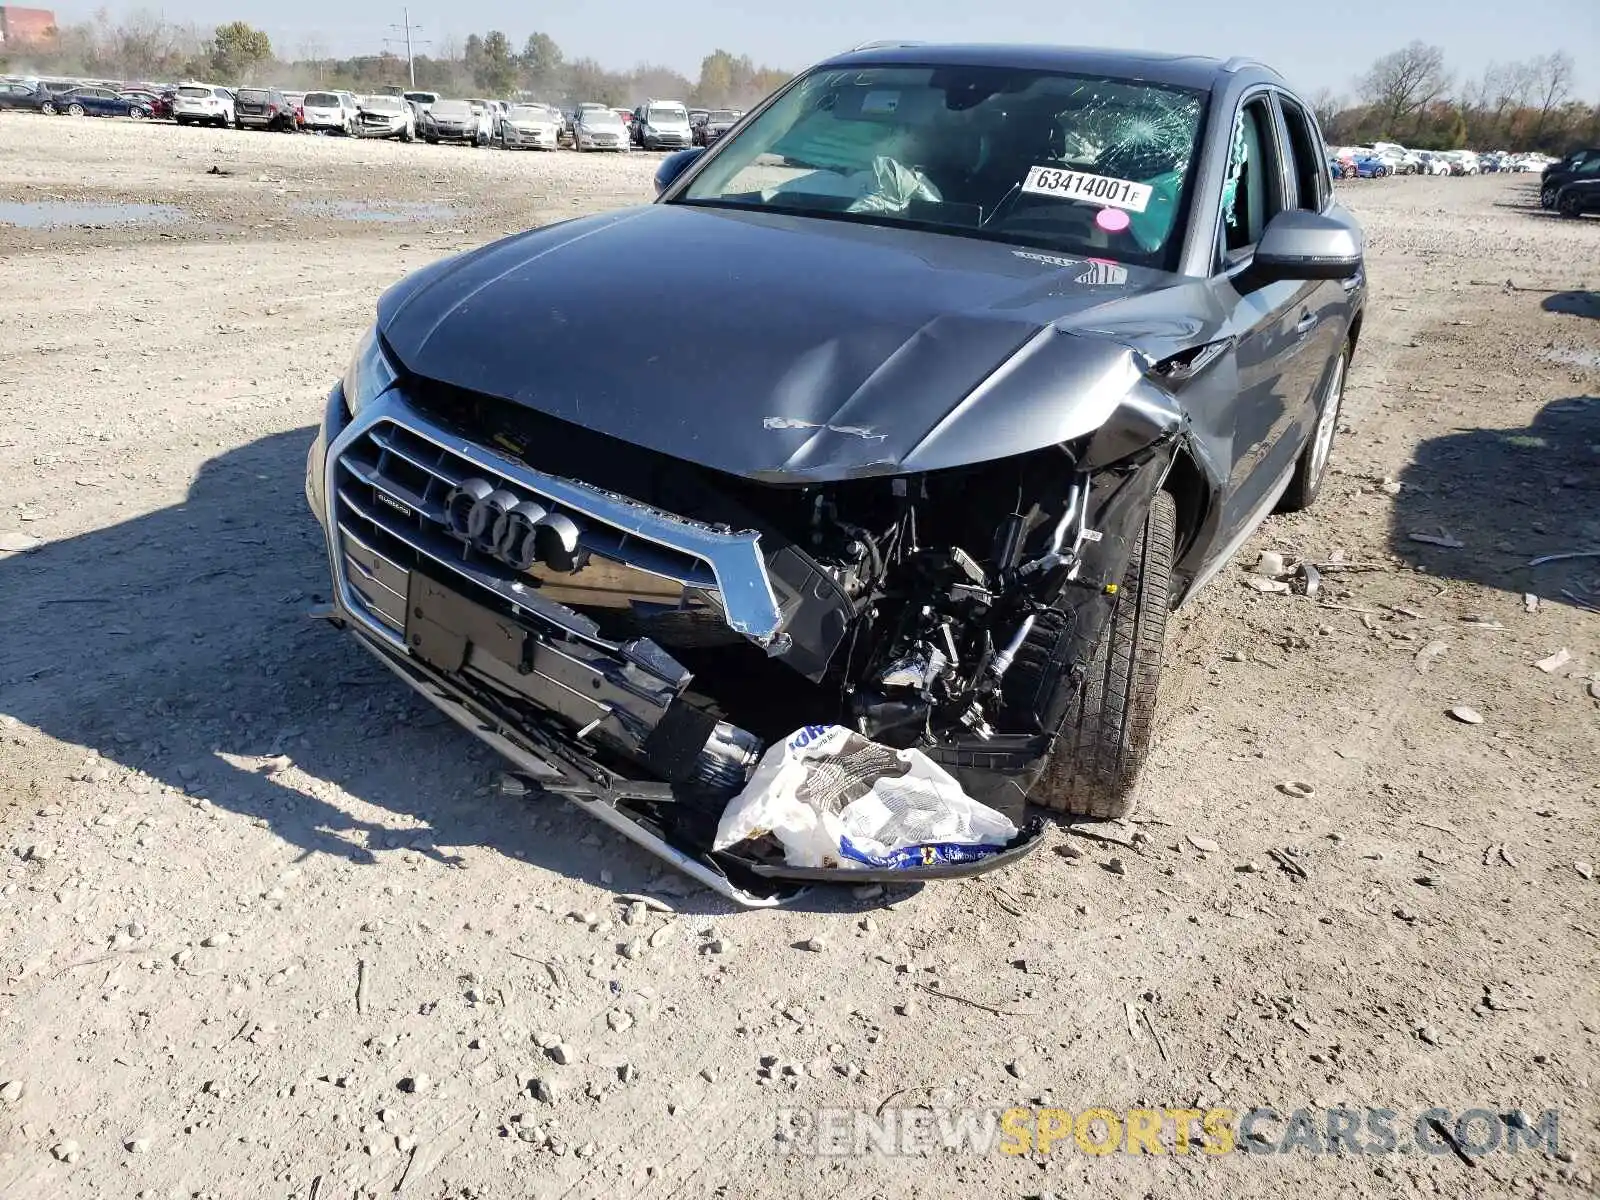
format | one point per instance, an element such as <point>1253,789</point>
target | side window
<point>1253,190</point>
<point>1306,162</point>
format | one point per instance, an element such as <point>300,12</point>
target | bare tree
<point>1326,105</point>
<point>1552,84</point>
<point>1403,83</point>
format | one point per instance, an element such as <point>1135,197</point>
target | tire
<point>1103,731</point>
<point>433,141</point>
<point>1547,198</point>
<point>1570,206</point>
<point>74,110</point>
<point>137,114</point>
<point>48,109</point>
<point>1312,469</point>
<point>1351,172</point>
<point>405,135</point>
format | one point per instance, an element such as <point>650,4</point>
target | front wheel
<point>137,114</point>
<point>1547,198</point>
<point>74,110</point>
<point>1103,732</point>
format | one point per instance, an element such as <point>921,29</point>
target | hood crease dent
<point>818,350</point>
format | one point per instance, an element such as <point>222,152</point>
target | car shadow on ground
<point>176,644</point>
<point>1509,496</point>
<point>1574,304</point>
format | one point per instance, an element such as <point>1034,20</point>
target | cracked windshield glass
<point>1060,162</point>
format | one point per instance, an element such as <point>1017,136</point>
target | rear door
<point>1328,304</point>
<point>1269,321</point>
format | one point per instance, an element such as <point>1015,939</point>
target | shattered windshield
<point>1063,162</point>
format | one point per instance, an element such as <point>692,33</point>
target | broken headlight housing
<point>369,374</point>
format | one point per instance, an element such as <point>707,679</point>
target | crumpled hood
<point>769,346</point>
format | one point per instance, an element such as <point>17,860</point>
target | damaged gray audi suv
<point>1010,349</point>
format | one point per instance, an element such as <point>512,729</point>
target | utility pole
<point>408,29</point>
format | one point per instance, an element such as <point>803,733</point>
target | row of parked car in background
<point>517,123</point>
<point>1383,159</point>
<point>1570,186</point>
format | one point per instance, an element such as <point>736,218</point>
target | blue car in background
<point>101,102</point>
<point>1372,167</point>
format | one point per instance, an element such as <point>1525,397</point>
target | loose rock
<point>814,944</point>
<point>11,1091</point>
<point>1467,716</point>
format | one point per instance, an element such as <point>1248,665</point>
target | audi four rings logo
<point>503,525</point>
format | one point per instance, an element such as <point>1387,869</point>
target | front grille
<point>391,488</point>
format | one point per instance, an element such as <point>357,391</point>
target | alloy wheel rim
<point>1328,422</point>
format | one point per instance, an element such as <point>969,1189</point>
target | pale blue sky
<point>1315,43</point>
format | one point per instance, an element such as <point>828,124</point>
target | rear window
<point>254,95</point>
<point>195,93</point>
<point>322,100</point>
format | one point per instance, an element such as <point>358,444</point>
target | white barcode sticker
<point>1092,189</point>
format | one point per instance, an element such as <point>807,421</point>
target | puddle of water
<point>55,214</point>
<point>1567,356</point>
<point>389,212</point>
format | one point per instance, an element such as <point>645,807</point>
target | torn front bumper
<point>606,724</point>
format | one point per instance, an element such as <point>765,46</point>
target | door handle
<point>1307,320</point>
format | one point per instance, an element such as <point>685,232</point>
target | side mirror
<point>674,165</point>
<point>1298,244</point>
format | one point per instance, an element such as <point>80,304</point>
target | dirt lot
<point>269,928</point>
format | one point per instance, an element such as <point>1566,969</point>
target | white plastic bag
<point>835,799</point>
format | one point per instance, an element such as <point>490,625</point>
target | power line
<point>407,30</point>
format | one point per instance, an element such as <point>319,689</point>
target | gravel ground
<point>269,927</point>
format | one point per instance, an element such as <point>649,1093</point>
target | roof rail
<point>886,44</point>
<point>1238,62</point>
